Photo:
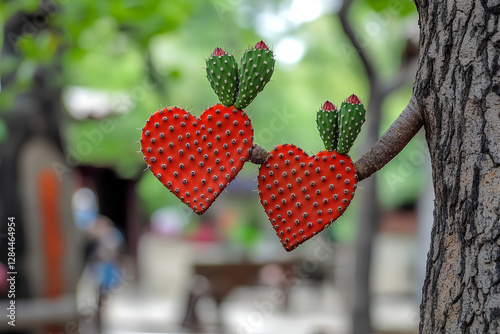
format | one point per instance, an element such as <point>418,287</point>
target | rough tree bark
<point>456,97</point>
<point>458,89</point>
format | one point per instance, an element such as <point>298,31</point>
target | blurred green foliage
<point>400,8</point>
<point>148,54</point>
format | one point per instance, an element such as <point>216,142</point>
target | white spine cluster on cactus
<point>257,67</point>
<point>222,73</point>
<point>351,118</point>
<point>339,128</point>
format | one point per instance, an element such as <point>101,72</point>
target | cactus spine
<point>326,120</point>
<point>257,67</point>
<point>222,73</point>
<point>351,118</point>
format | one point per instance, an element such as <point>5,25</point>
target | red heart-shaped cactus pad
<point>196,158</point>
<point>302,194</point>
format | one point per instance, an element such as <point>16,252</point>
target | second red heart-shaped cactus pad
<point>302,194</point>
<point>196,158</point>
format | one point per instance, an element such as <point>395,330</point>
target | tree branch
<point>349,31</point>
<point>404,128</point>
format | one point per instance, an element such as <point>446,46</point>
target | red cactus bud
<point>261,46</point>
<point>353,99</point>
<point>219,52</point>
<point>328,106</point>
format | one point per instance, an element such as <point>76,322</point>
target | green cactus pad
<point>327,121</point>
<point>222,73</point>
<point>351,118</point>
<point>257,67</point>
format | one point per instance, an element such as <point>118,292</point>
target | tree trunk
<point>458,90</point>
<point>369,219</point>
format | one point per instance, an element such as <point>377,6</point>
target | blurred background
<point>103,247</point>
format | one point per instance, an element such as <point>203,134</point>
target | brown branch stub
<point>259,155</point>
<point>404,128</point>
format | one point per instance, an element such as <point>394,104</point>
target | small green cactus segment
<point>351,118</point>
<point>327,121</point>
<point>222,73</point>
<point>257,67</point>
